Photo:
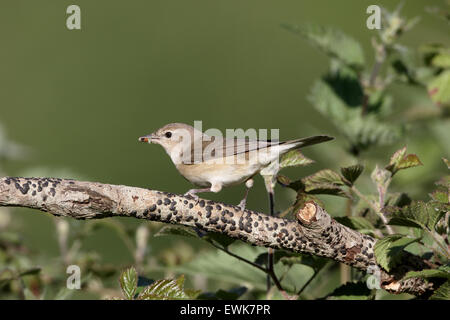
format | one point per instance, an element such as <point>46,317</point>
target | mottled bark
<point>314,232</point>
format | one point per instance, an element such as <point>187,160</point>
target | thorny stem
<point>374,208</point>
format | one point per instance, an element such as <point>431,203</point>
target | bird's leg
<point>215,187</point>
<point>248,185</point>
<point>193,192</point>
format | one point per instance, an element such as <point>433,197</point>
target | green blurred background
<point>78,100</point>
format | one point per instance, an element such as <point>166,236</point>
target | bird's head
<point>173,137</point>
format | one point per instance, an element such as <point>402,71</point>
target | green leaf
<point>389,250</point>
<point>167,289</point>
<point>351,291</point>
<point>128,283</point>
<point>400,160</point>
<point>352,173</point>
<point>355,223</point>
<point>332,42</point>
<point>442,293</point>
<point>325,176</point>
<point>439,89</point>
<point>428,273</point>
<point>441,194</point>
<point>322,182</point>
<point>294,158</point>
<point>176,231</point>
<point>418,214</point>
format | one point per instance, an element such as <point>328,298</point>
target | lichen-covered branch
<point>314,232</point>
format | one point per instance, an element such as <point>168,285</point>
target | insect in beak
<point>148,138</point>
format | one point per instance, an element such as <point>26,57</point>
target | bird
<point>214,162</point>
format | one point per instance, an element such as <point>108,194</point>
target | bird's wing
<point>217,147</point>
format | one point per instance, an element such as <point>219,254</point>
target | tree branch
<point>314,232</point>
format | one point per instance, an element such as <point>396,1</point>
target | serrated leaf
<point>333,42</point>
<point>388,251</point>
<point>128,283</point>
<point>351,291</point>
<point>325,176</point>
<point>441,195</point>
<point>322,182</point>
<point>352,173</point>
<point>176,231</point>
<point>166,289</point>
<point>355,223</point>
<point>428,273</point>
<point>400,160</point>
<point>439,89</point>
<point>442,293</point>
<point>294,158</point>
<point>418,214</point>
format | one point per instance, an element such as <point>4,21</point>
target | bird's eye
<point>168,134</point>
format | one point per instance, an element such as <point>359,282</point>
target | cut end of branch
<point>307,214</point>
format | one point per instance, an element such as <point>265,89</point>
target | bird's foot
<point>191,196</point>
<point>242,204</point>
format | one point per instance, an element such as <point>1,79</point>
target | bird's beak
<point>148,138</point>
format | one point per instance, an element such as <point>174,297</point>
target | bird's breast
<point>203,174</point>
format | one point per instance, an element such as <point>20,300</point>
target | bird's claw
<point>242,204</point>
<point>191,196</point>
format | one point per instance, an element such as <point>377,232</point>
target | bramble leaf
<point>294,158</point>
<point>352,173</point>
<point>442,293</point>
<point>167,289</point>
<point>399,160</point>
<point>388,251</point>
<point>442,272</point>
<point>128,283</point>
<point>418,214</point>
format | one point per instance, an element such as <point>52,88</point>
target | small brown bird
<point>213,162</point>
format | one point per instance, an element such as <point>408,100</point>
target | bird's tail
<point>304,142</point>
